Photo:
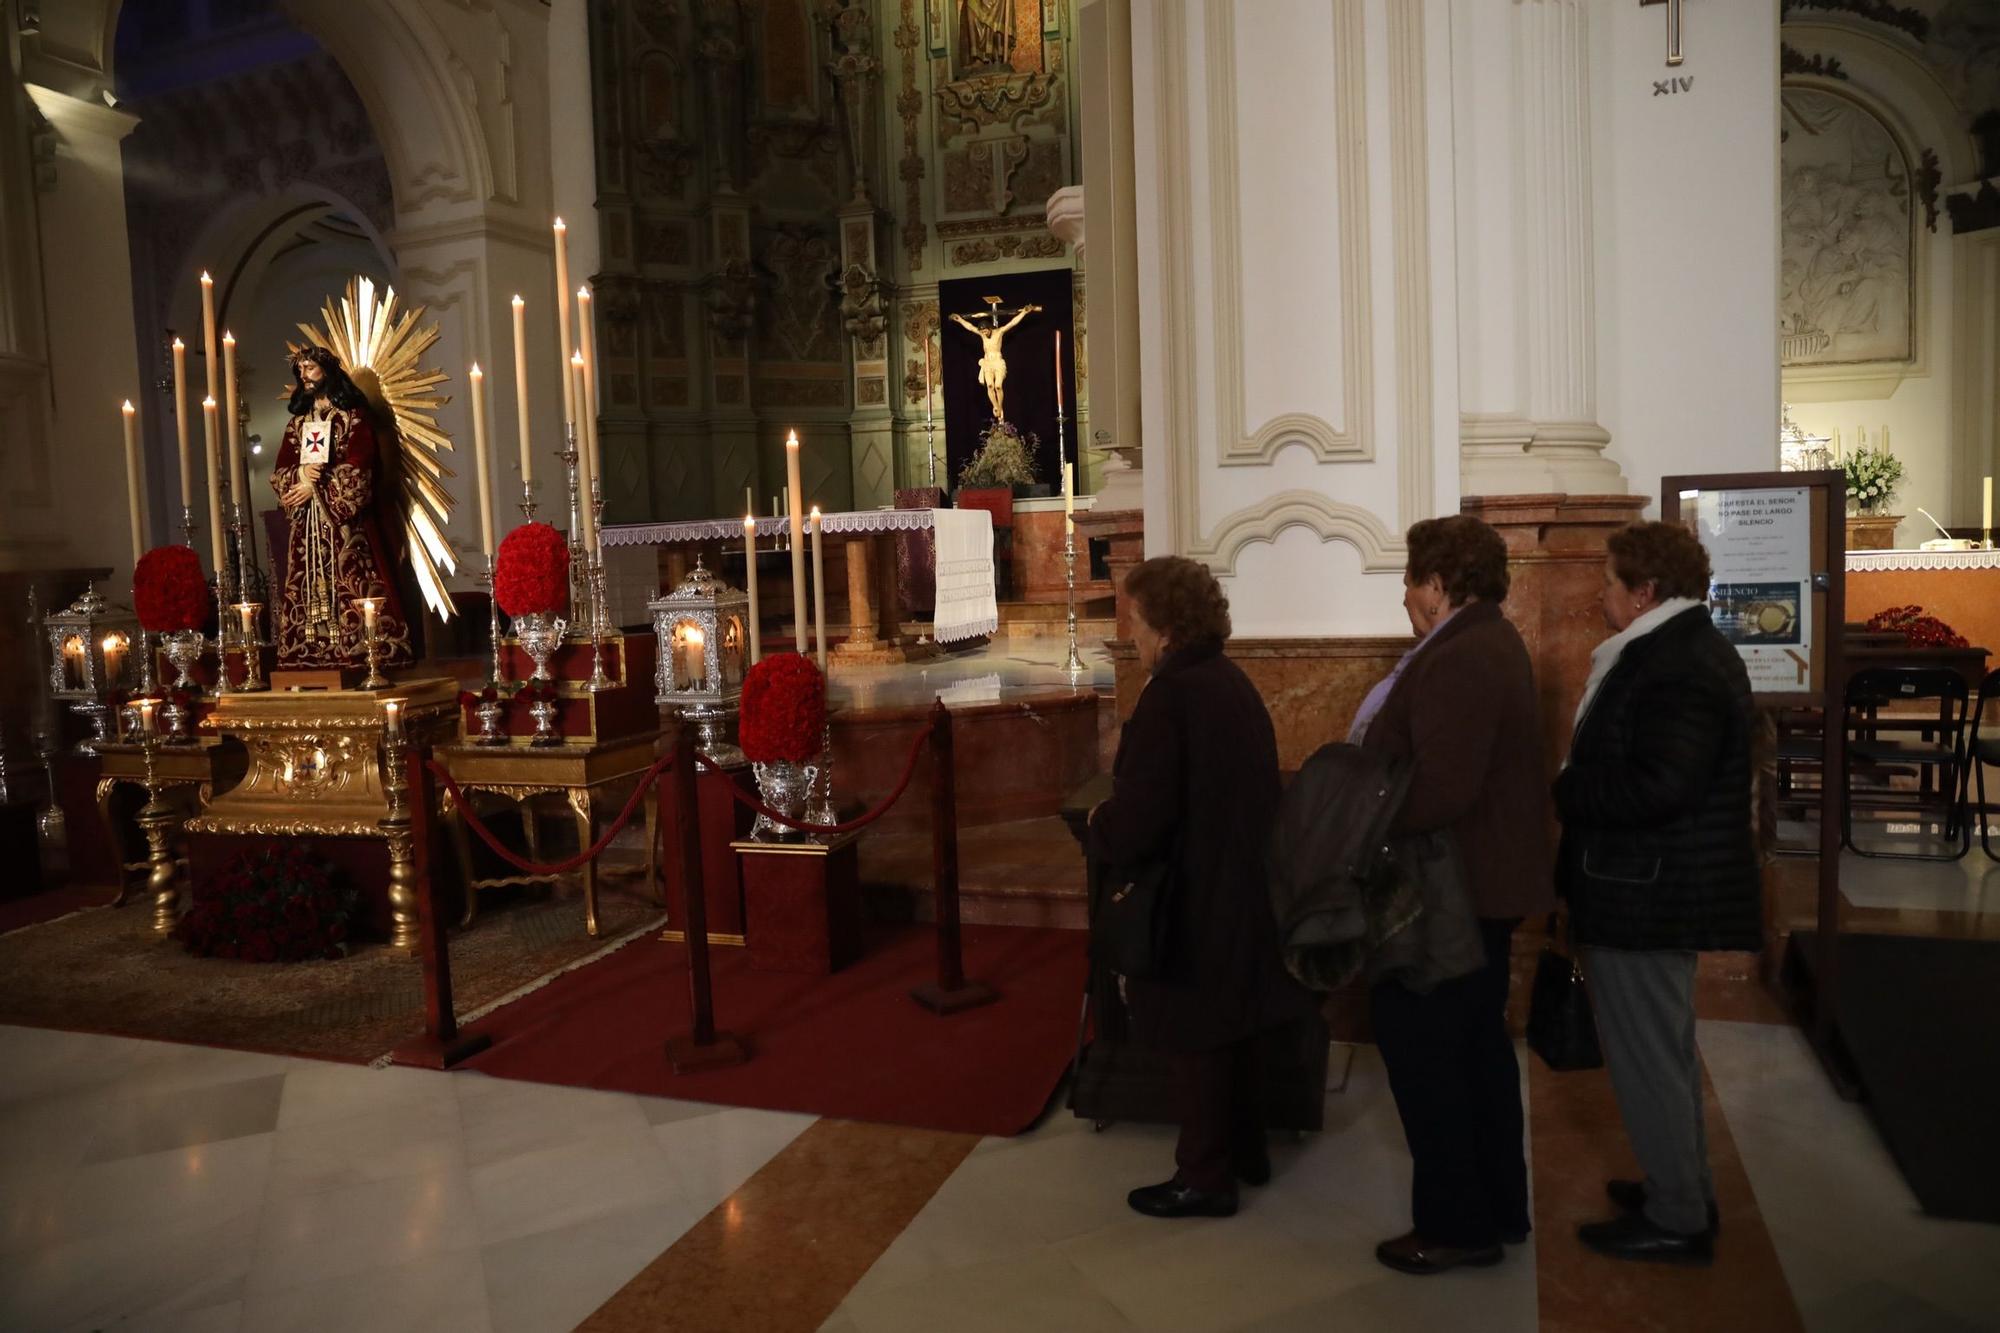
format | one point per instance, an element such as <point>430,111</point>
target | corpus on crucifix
<point>992,363</point>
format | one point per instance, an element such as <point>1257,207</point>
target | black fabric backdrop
<point>1030,353</point>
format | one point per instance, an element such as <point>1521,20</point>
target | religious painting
<point>997,358</point>
<point>1847,280</point>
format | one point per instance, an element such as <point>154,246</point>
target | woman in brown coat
<point>1196,781</point>
<point>1461,707</point>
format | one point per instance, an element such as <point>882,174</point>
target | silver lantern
<point>92,645</point>
<point>702,628</point>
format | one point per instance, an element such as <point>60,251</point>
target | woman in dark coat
<point>1659,861</point>
<point>1196,780</point>
<point>1461,707</point>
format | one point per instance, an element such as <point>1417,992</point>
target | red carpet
<point>852,1045</point>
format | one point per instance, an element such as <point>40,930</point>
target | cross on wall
<point>1674,54</point>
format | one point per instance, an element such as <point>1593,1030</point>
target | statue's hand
<point>309,474</point>
<point>299,494</point>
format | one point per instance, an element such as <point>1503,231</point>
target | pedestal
<point>802,904</point>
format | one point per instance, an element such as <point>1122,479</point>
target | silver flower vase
<point>540,635</point>
<point>492,715</point>
<point>184,648</point>
<point>785,787</point>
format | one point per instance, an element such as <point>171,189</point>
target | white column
<point>1531,426</point>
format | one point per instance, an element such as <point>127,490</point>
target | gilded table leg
<point>579,801</point>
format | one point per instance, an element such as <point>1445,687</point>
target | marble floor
<point>164,1187</point>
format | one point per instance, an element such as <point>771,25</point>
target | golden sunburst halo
<point>382,351</point>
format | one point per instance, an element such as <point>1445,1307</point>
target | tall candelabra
<point>1073,665</point>
<point>492,711</point>
<point>600,616</point>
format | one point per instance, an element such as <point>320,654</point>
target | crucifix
<point>1674,55</point>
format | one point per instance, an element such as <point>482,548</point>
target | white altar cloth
<point>966,604</point>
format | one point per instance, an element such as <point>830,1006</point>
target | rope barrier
<point>861,821</point>
<point>589,853</point>
<point>651,775</point>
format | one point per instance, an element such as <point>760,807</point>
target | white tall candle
<point>521,389</point>
<point>819,593</point>
<point>479,459</point>
<point>587,409</point>
<point>1986,506</point>
<point>562,320</point>
<point>208,331</point>
<point>132,487</point>
<point>232,427</point>
<point>587,511</point>
<point>181,423</point>
<point>212,435</point>
<point>750,586</point>
<point>794,503</point>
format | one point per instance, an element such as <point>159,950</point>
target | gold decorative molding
<point>1000,226</point>
<point>988,250</point>
<point>1012,99</point>
<point>909,106</point>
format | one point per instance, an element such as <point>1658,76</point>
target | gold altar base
<point>316,757</point>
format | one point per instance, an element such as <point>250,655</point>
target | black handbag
<point>1128,934</point>
<point>1561,1027</point>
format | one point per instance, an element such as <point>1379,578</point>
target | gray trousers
<point>1644,1001</point>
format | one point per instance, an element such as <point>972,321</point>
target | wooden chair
<point>1983,748</point>
<point>1890,746</point>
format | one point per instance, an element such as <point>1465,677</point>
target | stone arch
<point>420,97</point>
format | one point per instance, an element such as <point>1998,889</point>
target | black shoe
<point>1254,1173</point>
<point>1173,1199</point>
<point>1633,1237</point>
<point>1411,1253</point>
<point>1631,1196</point>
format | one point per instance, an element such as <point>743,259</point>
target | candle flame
<point>476,371</point>
<point>517,299</point>
<point>228,338</point>
<point>179,346</point>
<point>815,513</point>
<point>576,359</point>
<point>560,226</point>
<point>128,406</point>
<point>749,521</point>
<point>583,293</point>
<point>205,279</point>
<point>208,404</point>
<point>791,439</point>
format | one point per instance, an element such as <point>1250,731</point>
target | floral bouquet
<point>1872,477</point>
<point>784,710</point>
<point>531,574</point>
<point>169,591</point>
<point>1923,631</point>
<point>278,904</point>
<point>1005,457</point>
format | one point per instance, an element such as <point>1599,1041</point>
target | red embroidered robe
<point>335,553</point>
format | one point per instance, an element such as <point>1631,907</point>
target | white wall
<point>1686,240</point>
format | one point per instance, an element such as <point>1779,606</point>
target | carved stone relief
<point>992,249</point>
<point>1846,277</point>
<point>803,324</point>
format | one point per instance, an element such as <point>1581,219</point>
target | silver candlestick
<point>1074,664</point>
<point>579,557</point>
<point>187,526</point>
<point>599,682</point>
<point>528,505</point>
<point>499,677</point>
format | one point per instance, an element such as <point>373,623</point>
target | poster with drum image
<point>1760,549</point>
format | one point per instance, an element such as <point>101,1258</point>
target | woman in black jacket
<point>1658,861</point>
<point>1196,781</point>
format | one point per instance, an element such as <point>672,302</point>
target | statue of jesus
<point>992,364</point>
<point>329,478</point>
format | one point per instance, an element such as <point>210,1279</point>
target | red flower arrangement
<point>1923,631</point>
<point>280,904</point>
<point>784,710</point>
<point>531,576</point>
<point>169,591</point>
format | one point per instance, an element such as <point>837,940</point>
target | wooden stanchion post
<point>703,1047</point>
<point>409,830</point>
<point>951,992</point>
